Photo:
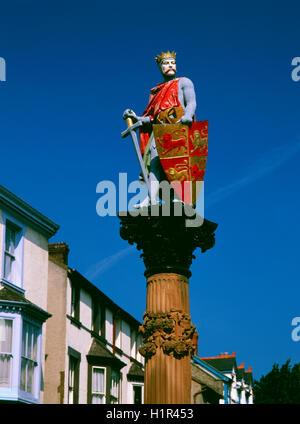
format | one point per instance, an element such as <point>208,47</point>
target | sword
<point>132,131</point>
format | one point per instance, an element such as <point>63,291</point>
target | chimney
<point>242,365</point>
<point>226,355</point>
<point>59,252</point>
<point>249,370</point>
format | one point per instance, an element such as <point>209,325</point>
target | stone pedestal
<point>167,246</point>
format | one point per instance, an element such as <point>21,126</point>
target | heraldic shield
<point>182,150</point>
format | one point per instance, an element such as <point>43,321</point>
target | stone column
<point>167,244</point>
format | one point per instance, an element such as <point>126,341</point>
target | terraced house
<point>92,344</point>
<point>238,382</point>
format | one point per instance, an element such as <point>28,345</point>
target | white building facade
<point>97,344</point>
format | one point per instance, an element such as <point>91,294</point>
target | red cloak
<point>162,97</point>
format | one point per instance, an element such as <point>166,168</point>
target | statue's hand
<point>128,113</point>
<point>186,120</point>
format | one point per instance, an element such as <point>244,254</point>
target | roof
<point>23,209</point>
<point>98,349</point>
<point>10,299</point>
<point>135,373</point>
<point>98,352</point>
<point>12,295</point>
<point>226,363</point>
<point>223,362</point>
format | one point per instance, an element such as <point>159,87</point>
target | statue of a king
<point>170,102</point>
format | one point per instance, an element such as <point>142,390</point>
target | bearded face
<point>168,67</point>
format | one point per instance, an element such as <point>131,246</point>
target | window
<point>118,332</point>
<point>98,385</point>
<point>73,382</point>
<point>133,343</point>
<point>29,360</point>
<point>97,319</point>
<point>13,255</point>
<point>9,252</point>
<point>5,351</point>
<point>114,387</point>
<point>75,301</point>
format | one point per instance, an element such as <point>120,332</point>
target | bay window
<point>103,374</point>
<point>20,353</point>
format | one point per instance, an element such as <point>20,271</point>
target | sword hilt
<point>131,127</point>
<point>129,122</point>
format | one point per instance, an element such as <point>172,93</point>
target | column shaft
<point>167,378</point>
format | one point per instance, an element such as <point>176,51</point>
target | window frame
<point>109,370</point>
<point>9,354</point>
<point>18,257</point>
<point>133,343</point>
<point>118,332</point>
<point>35,394</point>
<point>105,384</point>
<point>76,357</point>
<point>132,385</point>
<point>98,319</point>
<point>7,253</point>
<point>75,301</point>
<point>112,397</point>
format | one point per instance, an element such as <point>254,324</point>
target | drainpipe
<point>225,393</point>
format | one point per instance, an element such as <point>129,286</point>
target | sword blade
<point>140,159</point>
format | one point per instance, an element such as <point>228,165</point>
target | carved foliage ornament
<point>171,331</point>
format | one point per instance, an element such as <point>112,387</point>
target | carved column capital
<point>171,331</point>
<point>167,244</point>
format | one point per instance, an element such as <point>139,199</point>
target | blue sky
<point>72,69</point>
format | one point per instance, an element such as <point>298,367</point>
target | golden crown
<point>163,56</point>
